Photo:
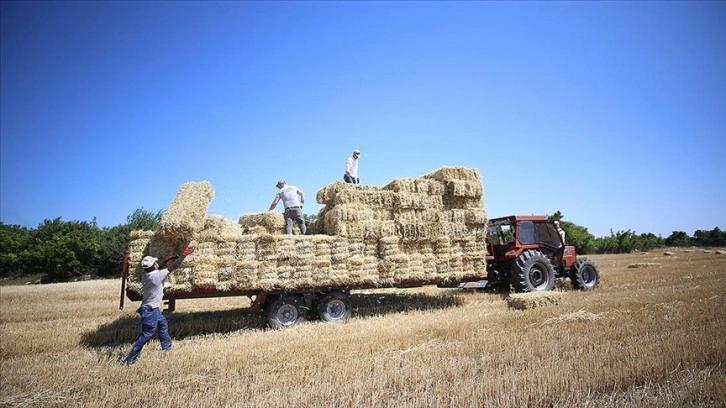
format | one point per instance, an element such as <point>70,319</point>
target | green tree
<point>115,240</point>
<point>712,238</point>
<point>15,241</point>
<point>678,239</point>
<point>65,250</point>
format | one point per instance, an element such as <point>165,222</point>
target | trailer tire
<point>285,311</point>
<point>584,275</point>
<point>532,272</point>
<point>334,307</point>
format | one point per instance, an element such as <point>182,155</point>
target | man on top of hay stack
<point>293,205</point>
<point>351,168</point>
<point>153,293</point>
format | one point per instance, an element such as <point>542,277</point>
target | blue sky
<point>613,113</point>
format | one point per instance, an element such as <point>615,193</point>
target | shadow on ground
<point>182,325</point>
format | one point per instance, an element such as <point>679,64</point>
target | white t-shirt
<point>288,195</point>
<point>153,287</point>
<point>351,166</point>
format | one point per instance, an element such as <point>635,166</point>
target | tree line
<point>61,251</point>
<point>622,242</point>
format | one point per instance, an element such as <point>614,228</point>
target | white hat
<point>148,261</point>
<point>356,151</point>
<point>557,223</point>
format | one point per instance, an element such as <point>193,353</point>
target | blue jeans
<point>349,179</point>
<point>151,319</point>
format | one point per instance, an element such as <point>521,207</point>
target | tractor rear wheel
<point>584,275</point>
<point>285,311</point>
<point>532,272</point>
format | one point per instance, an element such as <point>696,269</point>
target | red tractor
<point>527,252</point>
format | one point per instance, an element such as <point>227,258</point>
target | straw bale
<point>452,202</point>
<point>406,184</point>
<point>419,201</point>
<point>416,185</point>
<point>418,247</point>
<point>371,198</point>
<point>205,276</point>
<point>267,270</point>
<point>271,222</point>
<point>523,301</point>
<point>329,193</point>
<point>356,248</point>
<point>428,186</point>
<point>644,265</point>
<point>349,212</point>
<point>360,230</point>
<point>388,246</point>
<point>248,268</point>
<point>414,215</point>
<point>219,228</point>
<point>464,188</point>
<point>322,245</point>
<point>476,217</point>
<point>429,266</point>
<point>454,173</point>
<point>187,213</point>
<point>246,248</point>
<point>419,231</point>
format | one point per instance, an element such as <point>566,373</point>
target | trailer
<point>284,308</point>
<point>412,232</point>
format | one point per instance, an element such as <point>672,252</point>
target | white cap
<point>148,261</point>
<point>557,223</point>
<point>356,151</point>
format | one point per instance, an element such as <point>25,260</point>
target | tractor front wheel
<point>532,272</point>
<point>584,275</point>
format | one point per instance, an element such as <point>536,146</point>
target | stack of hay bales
<point>431,228</point>
<point>412,230</point>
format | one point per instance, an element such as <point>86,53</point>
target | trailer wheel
<point>532,272</point>
<point>285,311</point>
<point>334,307</point>
<point>584,275</point>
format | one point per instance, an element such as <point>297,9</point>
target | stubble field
<point>650,336</point>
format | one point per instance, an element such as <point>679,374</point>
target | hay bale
<point>644,265</point>
<point>188,211</point>
<point>524,301</point>
<point>720,252</point>
<point>464,188</point>
<point>404,200</point>
<point>578,316</point>
<point>454,173</point>
<point>219,228</point>
<point>270,222</point>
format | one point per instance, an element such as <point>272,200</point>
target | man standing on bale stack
<point>351,168</point>
<point>293,205</point>
<point>152,282</point>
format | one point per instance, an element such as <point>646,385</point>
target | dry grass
<point>649,337</point>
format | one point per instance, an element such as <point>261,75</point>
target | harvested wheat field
<point>648,337</point>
